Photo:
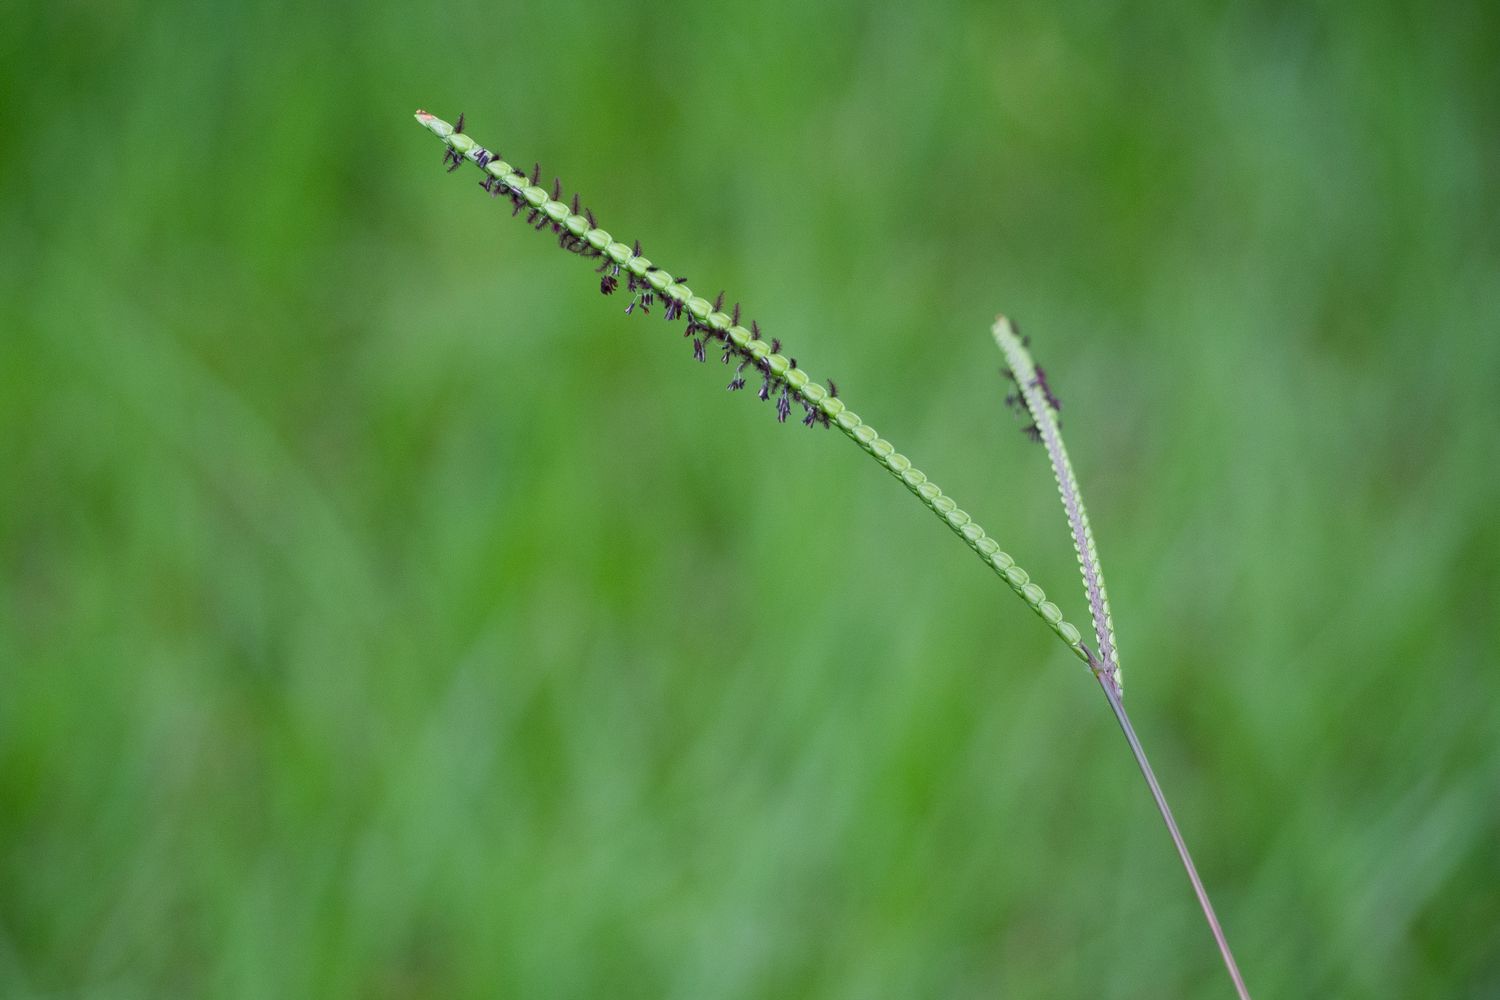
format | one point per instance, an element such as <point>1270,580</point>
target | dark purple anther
<point>1040,381</point>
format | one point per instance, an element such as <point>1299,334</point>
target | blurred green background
<point>382,614</point>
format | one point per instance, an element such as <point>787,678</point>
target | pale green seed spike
<point>1023,369</point>
<point>965,527</point>
<point>802,384</point>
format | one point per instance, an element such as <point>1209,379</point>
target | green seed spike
<point>797,382</point>
<point>1038,404</point>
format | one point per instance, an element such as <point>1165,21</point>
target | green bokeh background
<point>382,614</point>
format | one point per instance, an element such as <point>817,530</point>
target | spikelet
<point>707,324</point>
<point>1034,398</point>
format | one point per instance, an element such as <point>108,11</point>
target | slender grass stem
<point>1121,716</point>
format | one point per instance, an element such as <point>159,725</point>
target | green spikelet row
<point>1033,390</point>
<point>578,233</point>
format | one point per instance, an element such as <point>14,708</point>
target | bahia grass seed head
<point>709,328</point>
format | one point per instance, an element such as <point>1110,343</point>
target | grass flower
<point>710,328</point>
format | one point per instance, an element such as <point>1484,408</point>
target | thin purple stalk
<point>1112,693</point>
